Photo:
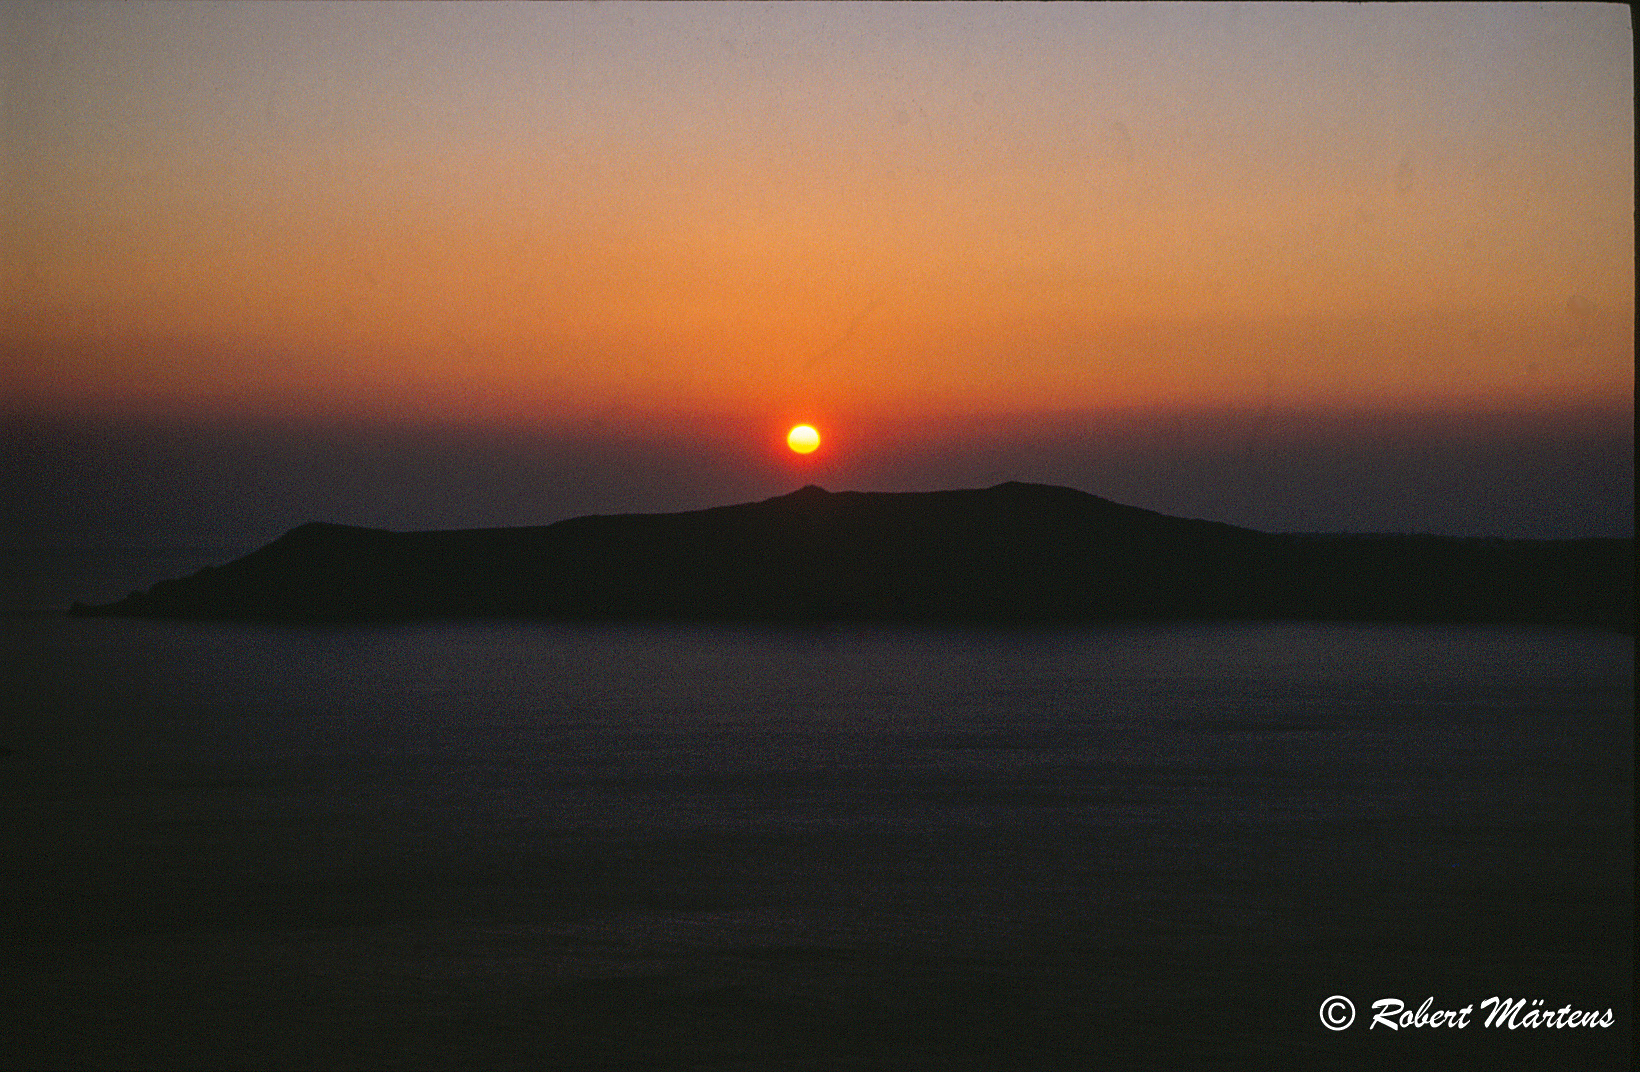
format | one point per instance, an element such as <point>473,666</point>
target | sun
<point>803,439</point>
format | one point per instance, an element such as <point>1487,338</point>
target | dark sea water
<point>528,846</point>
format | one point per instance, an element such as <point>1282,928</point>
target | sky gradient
<point>933,231</point>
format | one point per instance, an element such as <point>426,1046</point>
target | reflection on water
<point>529,846</point>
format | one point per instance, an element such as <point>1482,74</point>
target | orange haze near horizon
<point>567,214</point>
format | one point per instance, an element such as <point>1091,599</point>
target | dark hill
<point>1012,553</point>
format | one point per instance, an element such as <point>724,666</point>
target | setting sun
<point>803,439</point>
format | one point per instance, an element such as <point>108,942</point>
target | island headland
<point>1011,554</point>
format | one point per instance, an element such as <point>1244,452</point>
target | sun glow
<point>803,439</point>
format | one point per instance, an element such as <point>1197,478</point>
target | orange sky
<point>545,213</point>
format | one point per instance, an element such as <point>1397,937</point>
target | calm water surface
<point>524,846</point>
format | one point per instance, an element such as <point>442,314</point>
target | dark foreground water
<point>521,846</point>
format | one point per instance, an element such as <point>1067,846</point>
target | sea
<point>518,845</point>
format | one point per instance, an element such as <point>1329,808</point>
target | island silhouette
<point>1016,553</point>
